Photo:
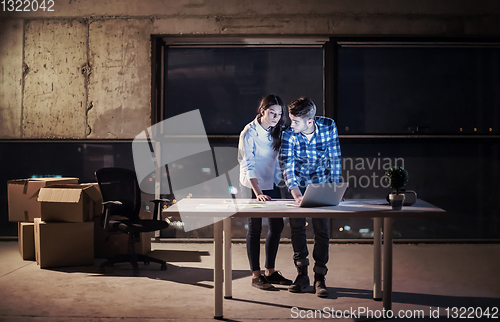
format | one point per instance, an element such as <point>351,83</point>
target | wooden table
<point>222,210</point>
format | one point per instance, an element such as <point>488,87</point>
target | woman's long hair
<point>274,131</point>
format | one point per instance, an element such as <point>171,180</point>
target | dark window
<point>400,89</point>
<point>227,84</point>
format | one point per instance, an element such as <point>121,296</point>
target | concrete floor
<point>426,277</point>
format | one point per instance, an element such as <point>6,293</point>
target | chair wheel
<point>146,263</point>
<point>163,267</point>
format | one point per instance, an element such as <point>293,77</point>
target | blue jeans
<point>272,240</point>
<point>321,243</point>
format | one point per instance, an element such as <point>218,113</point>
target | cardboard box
<point>108,244</point>
<point>70,202</point>
<point>97,204</point>
<point>22,207</point>
<point>59,244</point>
<point>26,240</point>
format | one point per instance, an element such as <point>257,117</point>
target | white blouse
<point>257,158</point>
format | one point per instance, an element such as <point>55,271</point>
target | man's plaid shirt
<point>315,161</point>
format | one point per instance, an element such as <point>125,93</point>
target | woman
<point>259,144</point>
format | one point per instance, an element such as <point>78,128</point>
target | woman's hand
<point>263,197</point>
<point>257,191</point>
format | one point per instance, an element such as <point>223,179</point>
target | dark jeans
<point>321,243</point>
<point>272,240</point>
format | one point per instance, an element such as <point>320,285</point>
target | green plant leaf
<point>397,177</point>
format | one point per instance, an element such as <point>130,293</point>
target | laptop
<point>325,194</point>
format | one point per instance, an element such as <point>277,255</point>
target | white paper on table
<point>213,207</point>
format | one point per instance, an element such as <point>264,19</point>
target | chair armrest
<point>156,203</point>
<point>112,203</point>
<point>107,205</point>
<point>159,200</point>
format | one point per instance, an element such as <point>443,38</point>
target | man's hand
<point>297,195</point>
<point>299,199</point>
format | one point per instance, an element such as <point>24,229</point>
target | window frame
<point>330,45</point>
<point>436,42</point>
<point>161,43</point>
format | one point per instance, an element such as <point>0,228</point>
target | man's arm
<point>334,155</point>
<point>288,162</point>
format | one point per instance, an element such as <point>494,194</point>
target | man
<point>310,155</point>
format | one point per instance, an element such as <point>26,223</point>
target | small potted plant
<point>397,178</point>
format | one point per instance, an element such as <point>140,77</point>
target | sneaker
<point>300,284</point>
<point>277,278</point>
<point>262,283</point>
<point>320,286</point>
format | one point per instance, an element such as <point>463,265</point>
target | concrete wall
<point>83,70</point>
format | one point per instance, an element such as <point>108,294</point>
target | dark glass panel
<point>227,84</point>
<point>425,90</point>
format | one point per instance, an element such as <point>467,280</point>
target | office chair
<point>121,197</point>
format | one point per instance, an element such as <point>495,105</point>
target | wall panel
<point>54,96</point>
<point>120,79</point>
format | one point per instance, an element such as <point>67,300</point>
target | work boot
<point>301,281</point>
<point>320,286</point>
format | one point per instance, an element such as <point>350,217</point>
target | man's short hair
<point>302,107</point>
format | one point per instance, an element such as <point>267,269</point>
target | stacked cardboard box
<point>23,206</point>
<point>59,244</point>
<point>70,202</point>
<point>26,238</point>
<point>60,223</point>
<point>64,233</point>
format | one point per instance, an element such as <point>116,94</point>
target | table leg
<point>218,274</point>
<point>228,270</point>
<point>377,258</point>
<point>387,293</point>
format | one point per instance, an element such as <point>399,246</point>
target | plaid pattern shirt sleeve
<point>334,155</point>
<point>288,142</point>
<point>314,161</point>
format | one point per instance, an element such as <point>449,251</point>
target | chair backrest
<point>117,184</point>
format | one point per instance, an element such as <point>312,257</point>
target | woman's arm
<point>255,187</point>
<point>247,159</point>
